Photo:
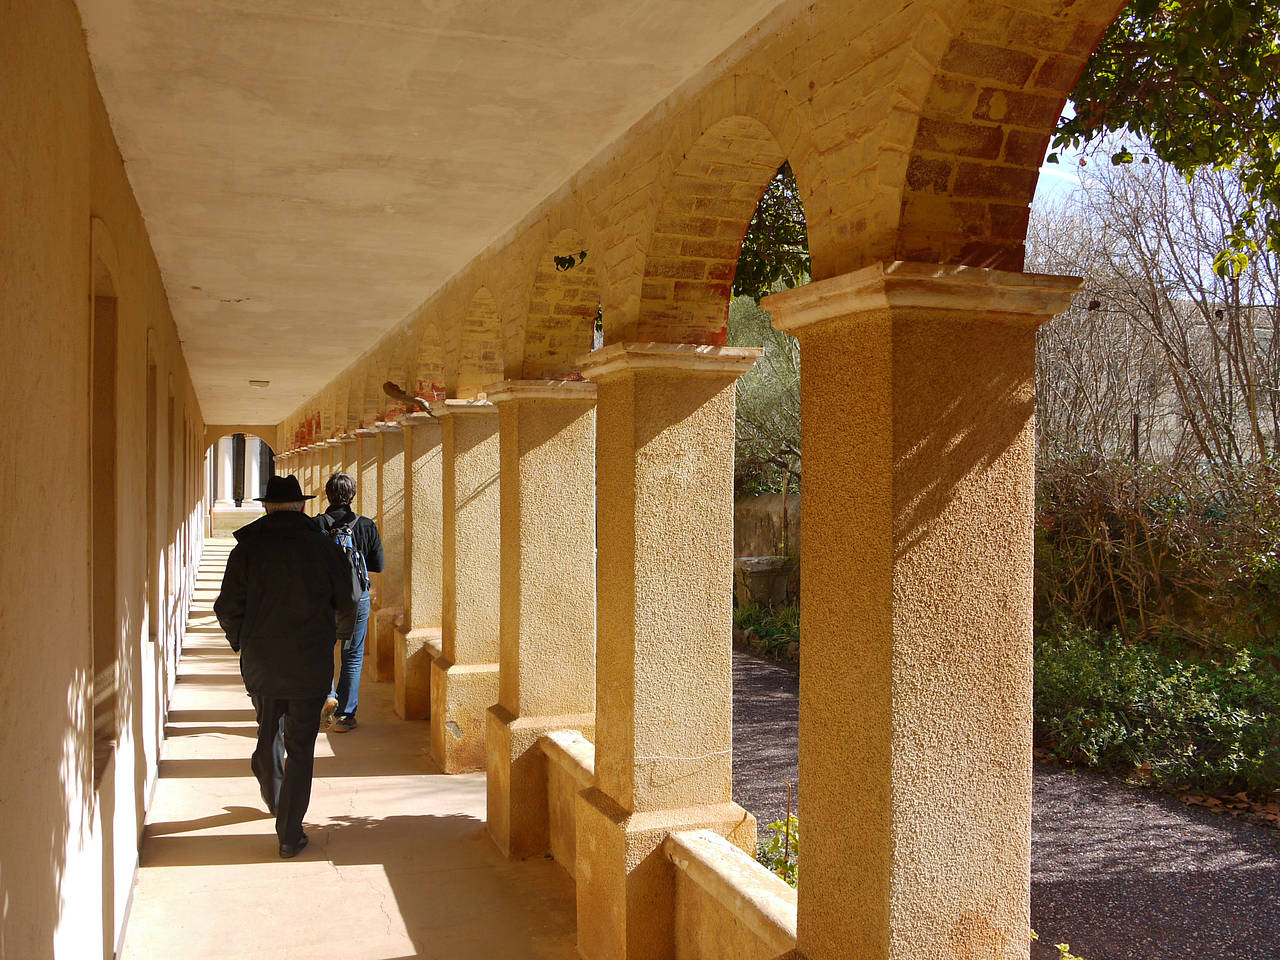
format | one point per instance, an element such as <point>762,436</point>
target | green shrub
<point>775,627</point>
<point>780,851</point>
<point>1117,706</point>
<point>1177,556</point>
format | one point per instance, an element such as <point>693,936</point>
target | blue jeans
<point>348,689</point>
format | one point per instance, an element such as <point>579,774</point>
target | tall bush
<point>1161,553</point>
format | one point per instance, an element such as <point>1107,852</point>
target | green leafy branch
<point>1199,81</point>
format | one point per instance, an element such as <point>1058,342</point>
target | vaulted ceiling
<point>312,170</point>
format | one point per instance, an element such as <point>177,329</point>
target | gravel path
<point>1118,872</point>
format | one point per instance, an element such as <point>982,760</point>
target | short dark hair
<point>340,489</point>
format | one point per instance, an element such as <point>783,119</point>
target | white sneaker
<point>330,708</point>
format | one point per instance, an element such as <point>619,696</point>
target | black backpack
<point>343,537</point>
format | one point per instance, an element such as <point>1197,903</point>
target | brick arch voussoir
<point>561,303</point>
<point>707,201</point>
<point>428,374</point>
<point>1000,80</point>
<point>373,370</point>
<point>341,398</point>
<point>480,350</point>
<point>355,397</point>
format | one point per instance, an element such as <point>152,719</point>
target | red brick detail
<point>1012,67</point>
<point>959,139</point>
<point>996,183</point>
<point>1019,109</point>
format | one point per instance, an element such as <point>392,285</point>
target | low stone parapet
<point>728,906</point>
<point>571,768</point>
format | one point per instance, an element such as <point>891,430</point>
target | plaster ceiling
<point>312,170</point>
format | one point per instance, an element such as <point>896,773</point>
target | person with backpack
<point>358,538</point>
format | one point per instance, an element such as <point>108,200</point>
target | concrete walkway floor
<point>399,864</point>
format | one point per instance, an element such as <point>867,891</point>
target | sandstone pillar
<point>547,638</point>
<point>464,675</point>
<point>350,455</point>
<point>304,470</point>
<point>366,476</point>
<point>423,523</point>
<point>316,485</point>
<point>664,622</point>
<point>916,594</point>
<point>380,655</point>
<point>332,465</point>
<point>252,470</point>
<point>226,490</point>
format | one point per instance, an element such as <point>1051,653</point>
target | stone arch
<point>563,304</point>
<point>375,375</point>
<point>328,406</point>
<point>341,397</point>
<point>480,354</point>
<point>706,207</point>
<point>429,375</point>
<point>355,397</point>
<point>990,107</point>
<point>401,357</point>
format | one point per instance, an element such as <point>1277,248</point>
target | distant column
<point>382,627</point>
<point>464,676</point>
<point>226,490</point>
<point>422,562</point>
<point>252,468</point>
<point>237,467</point>
<point>547,632</point>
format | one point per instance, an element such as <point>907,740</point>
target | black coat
<point>364,533</point>
<point>285,582</point>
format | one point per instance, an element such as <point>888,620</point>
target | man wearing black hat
<point>284,583</point>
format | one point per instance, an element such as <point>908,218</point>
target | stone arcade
<point>331,194</point>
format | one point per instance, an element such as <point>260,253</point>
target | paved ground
<point>399,866</point>
<point>1118,872</point>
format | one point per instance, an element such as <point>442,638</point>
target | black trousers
<point>285,756</point>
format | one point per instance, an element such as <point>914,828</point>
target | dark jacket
<point>284,584</point>
<point>364,533</point>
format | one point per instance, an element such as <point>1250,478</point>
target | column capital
<point>905,285</point>
<point>332,442</point>
<point>348,438</point>
<point>363,433</point>
<point>509,390</point>
<point>453,408</point>
<point>386,426</point>
<point>693,358</point>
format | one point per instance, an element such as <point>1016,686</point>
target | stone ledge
<point>449,408</point>
<point>507,390</point>
<point>903,285</point>
<point>688,358</point>
<point>743,887</point>
<point>573,752</point>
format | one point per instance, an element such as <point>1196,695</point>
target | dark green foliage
<point>1121,707</point>
<point>779,849</point>
<point>776,627</point>
<point>775,251</point>
<point>1199,81</point>
<point>767,428</point>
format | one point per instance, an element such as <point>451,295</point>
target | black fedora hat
<point>284,490</point>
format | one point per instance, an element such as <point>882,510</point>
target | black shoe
<point>290,850</point>
<point>344,723</point>
<point>266,798</point>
